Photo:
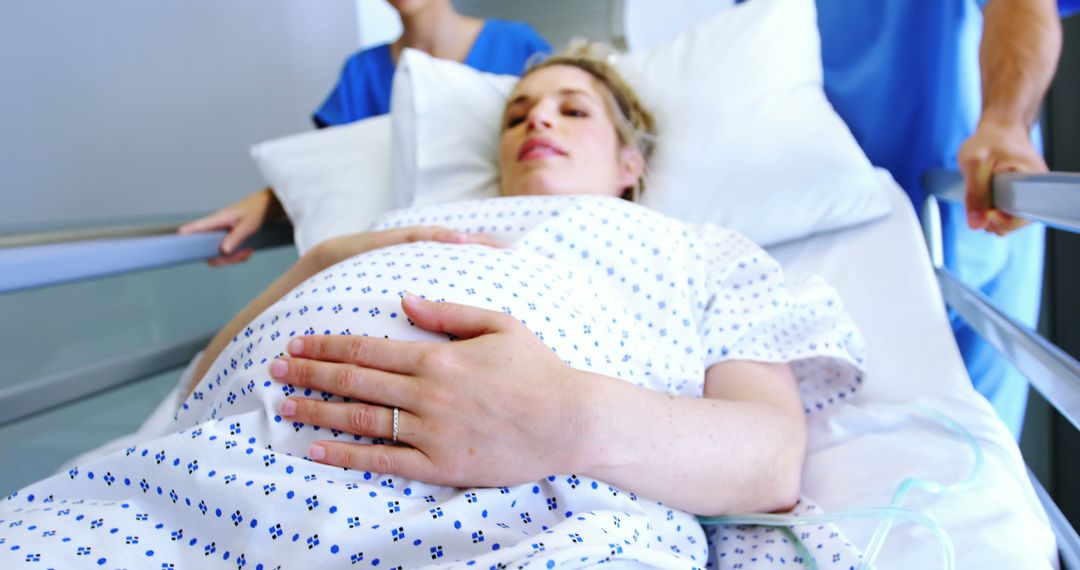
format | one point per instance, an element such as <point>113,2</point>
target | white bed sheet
<point>860,452</point>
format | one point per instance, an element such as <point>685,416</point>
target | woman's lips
<point>539,148</point>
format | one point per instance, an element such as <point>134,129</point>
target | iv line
<point>887,514</point>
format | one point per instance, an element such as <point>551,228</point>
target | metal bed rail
<point>34,260</point>
<point>1053,199</point>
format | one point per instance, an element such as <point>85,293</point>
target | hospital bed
<point>859,454</point>
<point>876,441</point>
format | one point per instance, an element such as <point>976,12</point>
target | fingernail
<point>317,452</point>
<point>279,368</point>
<point>288,408</point>
<point>460,237</point>
<point>296,347</point>
<point>411,298</point>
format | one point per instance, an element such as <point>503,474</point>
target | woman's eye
<point>514,121</point>
<point>575,113</point>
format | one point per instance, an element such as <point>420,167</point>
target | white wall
<point>118,108</point>
<point>379,23</point>
<point>558,21</point>
<point>637,24</point>
<point>648,23</point>
<point>126,108</point>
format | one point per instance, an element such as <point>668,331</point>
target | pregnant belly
<point>563,306</point>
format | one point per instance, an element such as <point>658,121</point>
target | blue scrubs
<point>904,75</point>
<point>364,87</point>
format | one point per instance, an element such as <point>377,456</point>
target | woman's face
<point>558,138</point>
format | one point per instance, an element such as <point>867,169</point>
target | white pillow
<point>446,118</point>
<point>746,140</point>
<point>333,181</point>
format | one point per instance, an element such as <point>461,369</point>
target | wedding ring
<point>396,414</point>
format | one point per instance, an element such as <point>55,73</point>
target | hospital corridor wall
<point>122,111</point>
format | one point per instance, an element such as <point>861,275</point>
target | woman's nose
<point>538,119</point>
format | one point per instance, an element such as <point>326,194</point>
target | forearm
<point>707,456</point>
<point>1018,55</point>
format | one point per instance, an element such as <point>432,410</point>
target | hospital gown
<point>610,286</point>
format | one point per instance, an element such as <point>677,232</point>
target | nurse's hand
<point>496,407</point>
<point>241,220</point>
<point>995,147</point>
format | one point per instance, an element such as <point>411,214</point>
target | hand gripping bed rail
<point>1055,200</point>
<point>1053,372</point>
<point>1052,198</point>
<point>50,258</point>
<point>34,260</point>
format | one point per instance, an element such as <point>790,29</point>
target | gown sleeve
<point>753,311</point>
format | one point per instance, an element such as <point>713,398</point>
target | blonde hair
<point>634,124</point>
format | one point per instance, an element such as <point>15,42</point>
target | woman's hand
<point>241,219</point>
<point>341,248</point>
<point>496,407</point>
<point>995,147</point>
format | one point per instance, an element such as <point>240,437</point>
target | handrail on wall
<point>63,257</point>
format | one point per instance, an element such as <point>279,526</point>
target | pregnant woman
<point>572,396</point>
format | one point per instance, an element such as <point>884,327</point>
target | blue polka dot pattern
<point>610,286</point>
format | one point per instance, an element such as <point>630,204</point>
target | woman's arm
<point>739,449</point>
<point>316,259</point>
<point>500,408</point>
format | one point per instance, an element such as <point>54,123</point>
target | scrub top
<point>904,75</point>
<point>364,87</point>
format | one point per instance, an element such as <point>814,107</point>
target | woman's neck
<point>439,31</point>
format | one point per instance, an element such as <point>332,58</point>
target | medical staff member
<point>903,75</point>
<point>363,91</point>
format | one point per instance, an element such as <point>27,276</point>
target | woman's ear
<point>631,167</point>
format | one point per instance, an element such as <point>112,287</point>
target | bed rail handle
<point>1052,198</point>
<point>63,257</point>
<point>27,239</point>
